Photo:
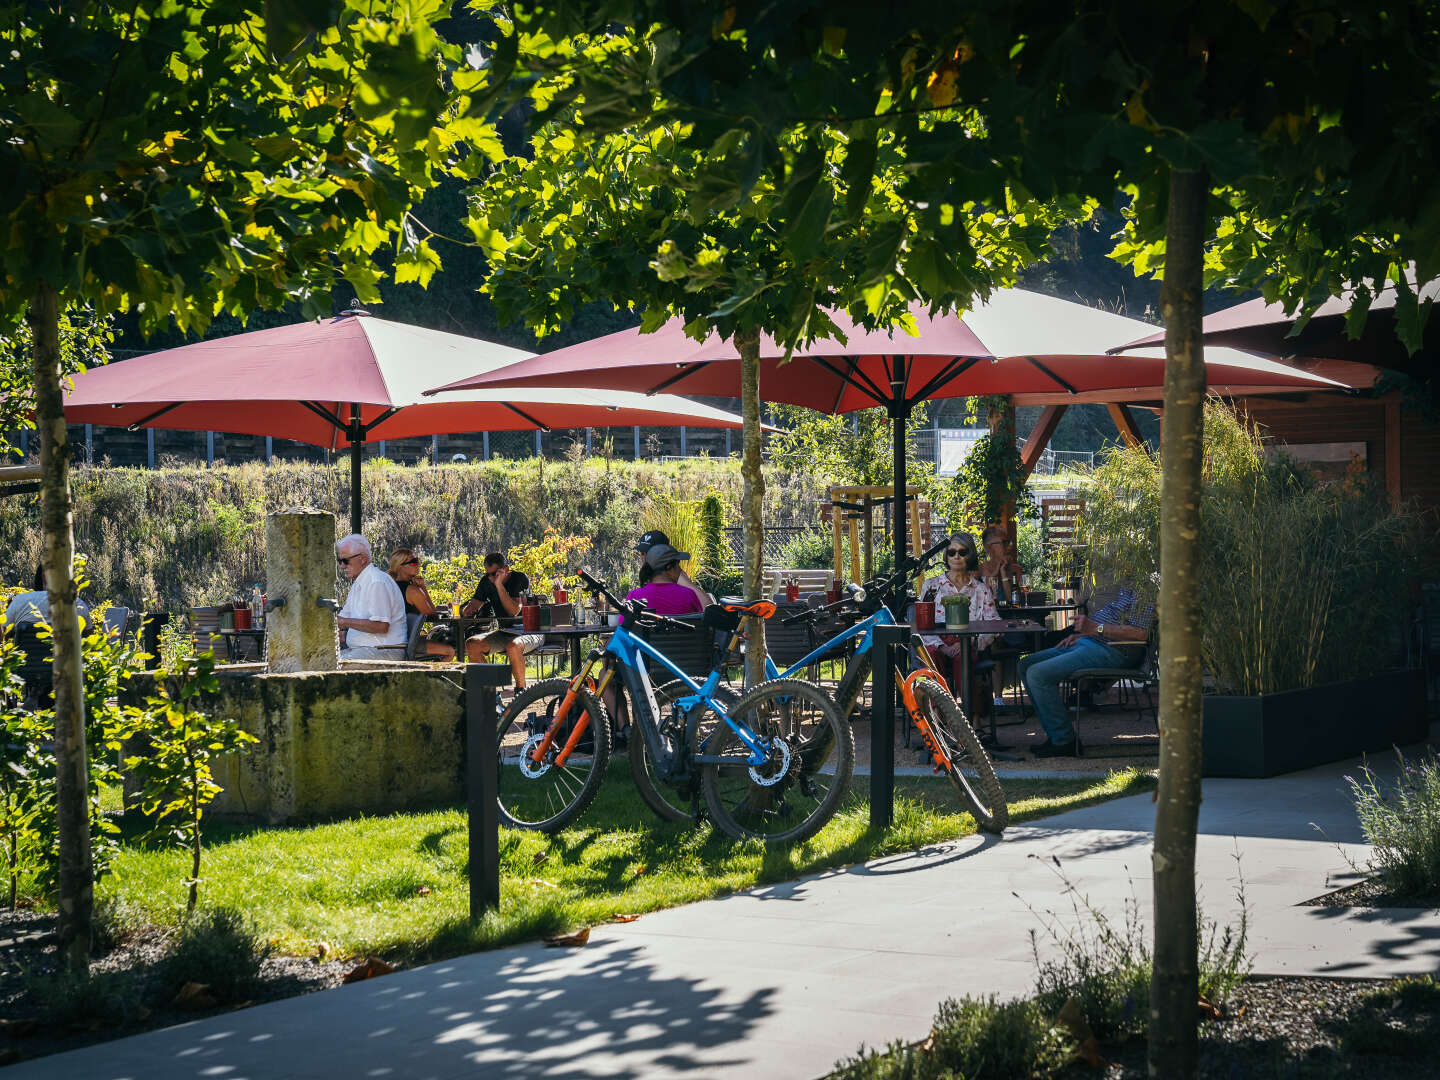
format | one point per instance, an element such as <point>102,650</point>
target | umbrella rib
<point>527,417</point>
<point>328,417</point>
<point>852,362</point>
<point>1059,381</point>
<point>688,370</point>
<point>386,415</point>
<point>138,424</point>
<point>956,367</point>
<point>871,390</point>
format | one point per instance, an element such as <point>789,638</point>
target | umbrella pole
<point>899,415</point>
<point>357,446</point>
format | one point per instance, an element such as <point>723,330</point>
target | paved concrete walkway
<point>783,980</point>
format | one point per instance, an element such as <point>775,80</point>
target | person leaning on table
<point>374,611</point>
<point>30,608</point>
<point>405,571</point>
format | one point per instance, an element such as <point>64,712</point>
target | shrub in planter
<point>1300,582</point>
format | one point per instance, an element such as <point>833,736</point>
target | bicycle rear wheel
<point>672,800</point>
<point>799,788</point>
<point>545,796</point>
<point>961,747</point>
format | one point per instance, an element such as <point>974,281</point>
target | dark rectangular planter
<point>1278,733</point>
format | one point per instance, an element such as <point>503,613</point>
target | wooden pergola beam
<point>1125,423</point>
<point>1040,437</point>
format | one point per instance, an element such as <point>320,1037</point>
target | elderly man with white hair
<point>374,612</point>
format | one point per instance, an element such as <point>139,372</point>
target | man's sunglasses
<point>346,560</point>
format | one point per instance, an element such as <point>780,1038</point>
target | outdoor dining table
<point>462,627</point>
<point>975,628</point>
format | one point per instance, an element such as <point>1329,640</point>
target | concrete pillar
<point>300,566</point>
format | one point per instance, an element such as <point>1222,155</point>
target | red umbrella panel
<point>344,381</point>
<point>1016,342</point>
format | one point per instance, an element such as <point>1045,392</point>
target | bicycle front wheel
<point>798,789</point>
<point>961,749</point>
<point>545,795</point>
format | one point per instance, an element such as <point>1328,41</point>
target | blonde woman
<point>405,569</point>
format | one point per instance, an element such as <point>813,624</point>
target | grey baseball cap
<point>662,555</point>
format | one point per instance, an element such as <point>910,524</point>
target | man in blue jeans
<point>1091,644</point>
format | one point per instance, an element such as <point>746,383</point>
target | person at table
<point>656,538</point>
<point>405,569</point>
<point>1092,643</point>
<point>961,578</point>
<point>499,595</point>
<point>1000,568</point>
<point>664,585</point>
<point>33,607</point>
<point>374,611</point>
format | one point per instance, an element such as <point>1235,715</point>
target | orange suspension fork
<point>543,746</point>
<point>912,705</point>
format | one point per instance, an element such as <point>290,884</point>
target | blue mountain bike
<point>954,747</point>
<point>773,764</point>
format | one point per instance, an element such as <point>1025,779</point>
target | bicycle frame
<point>626,649</point>
<point>865,627</point>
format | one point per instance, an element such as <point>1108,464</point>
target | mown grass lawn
<point>396,886</point>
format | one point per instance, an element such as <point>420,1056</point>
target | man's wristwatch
<point>1100,631</point>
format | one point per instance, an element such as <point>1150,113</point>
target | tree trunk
<point>72,810</point>
<point>1174,985</point>
<point>752,501</point>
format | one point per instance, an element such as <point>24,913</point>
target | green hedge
<point>184,536</point>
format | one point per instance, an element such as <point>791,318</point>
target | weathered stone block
<point>341,742</point>
<point>300,566</point>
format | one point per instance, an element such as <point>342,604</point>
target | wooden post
<point>869,538</point>
<point>855,550</point>
<point>835,531</point>
<point>1040,437</point>
<point>1394,474</point>
<point>1125,423</point>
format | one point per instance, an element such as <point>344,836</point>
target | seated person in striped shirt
<point>1091,644</point>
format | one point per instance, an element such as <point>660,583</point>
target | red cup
<point>924,615</point>
<point>242,618</point>
<point>530,616</point>
<point>561,596</point>
<point>792,593</point>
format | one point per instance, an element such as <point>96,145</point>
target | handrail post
<point>482,784</point>
<point>885,647</point>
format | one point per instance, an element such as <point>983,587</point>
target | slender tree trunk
<point>752,501</point>
<point>1174,985</point>
<point>194,842</point>
<point>58,546</point>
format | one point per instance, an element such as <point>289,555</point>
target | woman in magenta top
<point>664,585</point>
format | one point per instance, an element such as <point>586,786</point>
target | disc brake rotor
<point>779,763</point>
<point>528,765</point>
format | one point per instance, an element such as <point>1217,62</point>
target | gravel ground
<point>1302,1028</point>
<point>27,949</point>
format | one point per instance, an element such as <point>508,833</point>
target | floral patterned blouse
<point>982,605</point>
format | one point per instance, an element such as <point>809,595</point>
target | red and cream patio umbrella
<point>345,381</point>
<point>1018,342</point>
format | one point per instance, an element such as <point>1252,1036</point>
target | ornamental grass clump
<point>1402,825</point>
<point>1301,582</point>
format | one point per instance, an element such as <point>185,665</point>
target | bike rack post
<point>482,782</point>
<point>886,646</point>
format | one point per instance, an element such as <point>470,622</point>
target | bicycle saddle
<point>761,609</point>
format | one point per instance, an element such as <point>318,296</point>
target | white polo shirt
<point>374,595</point>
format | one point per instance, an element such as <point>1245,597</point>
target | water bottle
<point>257,606</point>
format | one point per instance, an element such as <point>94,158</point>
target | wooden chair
<point>117,620</point>
<point>414,647</point>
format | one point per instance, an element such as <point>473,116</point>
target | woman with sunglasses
<point>961,578</point>
<point>405,569</point>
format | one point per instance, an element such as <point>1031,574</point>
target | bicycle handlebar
<point>635,609</point>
